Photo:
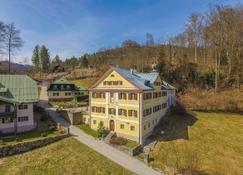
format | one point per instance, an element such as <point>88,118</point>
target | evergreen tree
<point>45,58</point>
<point>36,57</point>
<point>57,60</point>
<point>84,61</point>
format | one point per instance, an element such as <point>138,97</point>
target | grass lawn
<point>88,130</point>
<point>67,156</point>
<point>131,144</point>
<point>211,143</point>
<point>86,83</point>
<point>71,104</point>
<point>42,127</point>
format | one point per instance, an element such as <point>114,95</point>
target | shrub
<point>102,131</point>
<point>44,134</point>
<point>118,141</point>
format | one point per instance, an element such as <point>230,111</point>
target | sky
<point>75,27</point>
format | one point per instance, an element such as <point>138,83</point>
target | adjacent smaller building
<point>64,90</point>
<point>18,93</point>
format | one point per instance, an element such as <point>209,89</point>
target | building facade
<point>64,90</point>
<point>129,103</point>
<point>18,93</point>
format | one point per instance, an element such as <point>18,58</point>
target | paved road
<point>108,151</point>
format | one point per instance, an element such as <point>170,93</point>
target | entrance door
<point>112,125</point>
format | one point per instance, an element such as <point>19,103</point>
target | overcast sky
<point>74,27</point>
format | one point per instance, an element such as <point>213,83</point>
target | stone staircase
<point>109,136</point>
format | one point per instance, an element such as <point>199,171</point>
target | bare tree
<point>12,41</point>
<point>2,32</point>
<point>194,32</point>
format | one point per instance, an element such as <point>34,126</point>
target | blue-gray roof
<point>144,81</point>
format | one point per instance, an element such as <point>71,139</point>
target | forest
<point>207,54</point>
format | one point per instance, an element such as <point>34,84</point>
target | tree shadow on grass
<point>175,125</point>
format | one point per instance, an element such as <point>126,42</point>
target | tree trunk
<point>9,56</point>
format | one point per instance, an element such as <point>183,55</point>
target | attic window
<point>112,75</point>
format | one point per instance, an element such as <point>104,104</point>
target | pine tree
<point>84,62</point>
<point>45,58</point>
<point>36,57</point>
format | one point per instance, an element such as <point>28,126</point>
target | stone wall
<point>27,146</point>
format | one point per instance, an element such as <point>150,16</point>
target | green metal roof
<point>20,89</point>
<point>62,81</point>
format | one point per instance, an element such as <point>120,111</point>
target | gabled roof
<point>143,80</point>
<point>18,89</point>
<point>167,86</point>
<point>62,81</point>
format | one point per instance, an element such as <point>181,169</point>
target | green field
<point>203,143</point>
<point>67,156</point>
<point>86,83</point>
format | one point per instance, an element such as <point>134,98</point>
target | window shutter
<point>125,96</point>
<point>120,111</point>
<point>135,96</point>
<point>125,112</point>
<point>130,112</point>
<point>136,113</point>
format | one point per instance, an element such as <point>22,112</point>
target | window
<point>122,126</point>
<point>164,105</point>
<point>157,108</point>
<point>55,94</point>
<point>102,95</point>
<point>132,128</point>
<point>6,120</point>
<point>67,93</point>
<point>102,109</point>
<point>144,127</point>
<point>122,96</point>
<point>7,108</point>
<point>133,96</point>
<point>149,125</point>
<point>155,95</point>
<point>122,112</point>
<point>147,112</point>
<point>112,75</point>
<point>93,95</point>
<point>132,113</point>
<point>94,122</point>
<point>23,119</point>
<point>23,107</point>
<point>101,123</point>
<point>93,109</point>
<point>112,111</point>
<point>164,93</point>
<point>147,96</point>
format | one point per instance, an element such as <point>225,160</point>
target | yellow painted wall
<point>126,130</point>
<point>117,76</point>
<point>61,94</point>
